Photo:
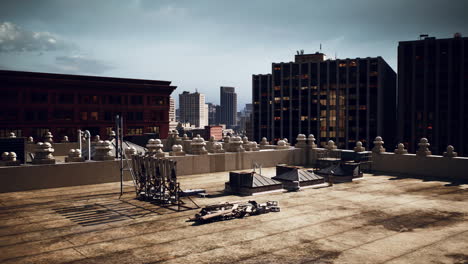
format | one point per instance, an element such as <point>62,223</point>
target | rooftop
<point>377,219</point>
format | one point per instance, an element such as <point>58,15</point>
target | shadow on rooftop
<point>398,176</point>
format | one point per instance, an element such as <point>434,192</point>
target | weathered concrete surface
<point>379,219</point>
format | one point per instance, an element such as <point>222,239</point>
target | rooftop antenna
<point>335,55</point>
<point>320,47</point>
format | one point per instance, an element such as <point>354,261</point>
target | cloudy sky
<point>204,44</point>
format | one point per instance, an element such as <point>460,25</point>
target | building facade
<point>228,98</point>
<point>344,100</point>
<point>193,109</point>
<point>36,103</point>
<point>432,93</point>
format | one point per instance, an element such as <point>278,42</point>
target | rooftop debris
<point>230,210</point>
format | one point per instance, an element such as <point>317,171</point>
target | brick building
<point>35,103</point>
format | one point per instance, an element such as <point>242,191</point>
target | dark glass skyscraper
<point>228,106</point>
<point>343,100</point>
<point>433,93</point>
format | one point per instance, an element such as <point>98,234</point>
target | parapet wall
<point>430,166</point>
<point>30,177</point>
<point>60,149</point>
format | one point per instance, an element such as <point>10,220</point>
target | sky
<point>204,44</point>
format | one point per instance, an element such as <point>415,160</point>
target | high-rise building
<point>432,93</point>
<point>244,119</point>
<point>344,100</point>
<point>193,109</point>
<point>35,103</point>
<point>212,114</point>
<point>228,106</point>
<point>172,114</point>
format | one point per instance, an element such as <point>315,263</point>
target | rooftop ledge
<point>29,177</point>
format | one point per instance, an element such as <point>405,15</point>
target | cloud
<point>82,65</point>
<point>16,39</point>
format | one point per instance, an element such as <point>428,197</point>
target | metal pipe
<point>79,138</point>
<point>88,138</point>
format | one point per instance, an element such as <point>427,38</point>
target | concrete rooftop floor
<point>377,219</point>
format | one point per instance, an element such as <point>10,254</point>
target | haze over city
<point>207,44</point>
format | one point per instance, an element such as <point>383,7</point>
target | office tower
<point>344,100</point>
<point>433,93</point>
<point>205,118</point>
<point>193,109</point>
<point>228,106</point>
<point>172,114</point>
<point>35,103</point>
<point>212,114</point>
<point>244,119</point>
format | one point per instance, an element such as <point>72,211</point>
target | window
<point>157,100</point>
<point>39,98</point>
<point>139,116</point>
<point>130,116</point>
<point>8,115</point>
<point>63,115</point>
<point>114,99</point>
<point>83,116</point>
<point>108,116</point>
<point>9,97</point>
<point>277,88</point>
<point>154,129</point>
<point>303,118</point>
<point>277,117</point>
<point>136,100</point>
<point>95,99</point>
<point>42,115</point>
<point>29,116</point>
<point>135,131</point>
<point>65,99</point>
<point>94,116</point>
<point>286,98</point>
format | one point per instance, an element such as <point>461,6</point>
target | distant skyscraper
<point>212,114</point>
<point>172,114</point>
<point>343,100</point>
<point>193,109</point>
<point>228,106</point>
<point>433,93</point>
<point>244,118</point>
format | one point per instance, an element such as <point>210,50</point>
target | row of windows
<point>69,98</point>
<point>40,132</point>
<point>68,115</point>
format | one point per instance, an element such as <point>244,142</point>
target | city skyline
<point>202,46</point>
